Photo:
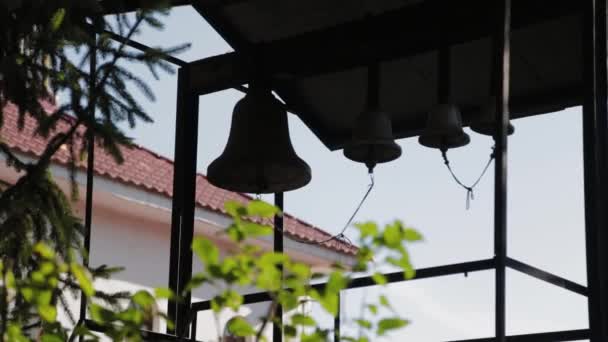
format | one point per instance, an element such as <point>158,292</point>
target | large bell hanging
<point>259,157</point>
<point>485,122</point>
<point>372,140</point>
<point>444,129</point>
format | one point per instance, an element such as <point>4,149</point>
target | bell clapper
<point>370,167</point>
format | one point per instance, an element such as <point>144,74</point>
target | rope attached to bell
<point>444,80</point>
<point>372,103</point>
<point>469,188</point>
<point>341,236</point>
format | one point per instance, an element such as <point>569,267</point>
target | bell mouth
<point>259,178</point>
<point>444,141</point>
<point>374,152</point>
<point>489,129</point>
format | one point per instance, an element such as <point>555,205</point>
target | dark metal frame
<point>595,141</point>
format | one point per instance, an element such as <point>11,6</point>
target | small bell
<point>259,157</point>
<point>485,121</point>
<point>372,134</point>
<point>372,140</point>
<point>444,129</point>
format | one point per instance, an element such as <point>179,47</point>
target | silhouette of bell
<point>259,157</point>
<point>372,134</point>
<point>372,140</point>
<point>444,129</point>
<point>485,122</point>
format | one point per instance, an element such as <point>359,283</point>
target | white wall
<point>142,247</point>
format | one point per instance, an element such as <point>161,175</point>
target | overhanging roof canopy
<point>317,52</point>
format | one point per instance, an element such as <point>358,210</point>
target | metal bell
<point>444,129</point>
<point>485,121</point>
<point>372,140</point>
<point>259,157</point>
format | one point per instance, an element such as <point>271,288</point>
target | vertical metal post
<point>176,209</point>
<point>277,329</point>
<point>189,204</point>
<point>502,64</point>
<point>595,156</point>
<point>184,190</point>
<point>194,323</point>
<point>88,214</point>
<point>337,321</point>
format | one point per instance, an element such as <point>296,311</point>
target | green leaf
<point>83,279</point>
<point>164,293</point>
<point>388,324</point>
<point>412,235</point>
<point>303,320</point>
<point>272,259</point>
<point>261,209</point>
<point>228,299</point>
<point>336,282</point>
<point>206,251</point>
<point>240,327</point>
<point>100,314</point>
<point>14,333</point>
<point>372,308</point>
<point>44,251</point>
<point>330,303</point>
<point>379,278</point>
<point>10,279</point>
<point>46,268</point>
<point>288,300</point>
<point>143,299</point>
<point>48,313</point>
<point>235,209</point>
<point>384,301</point>
<point>367,229</point>
<point>290,330</point>
<point>43,297</point>
<point>131,315</point>
<point>57,19</point>
<point>409,272</point>
<point>254,230</point>
<point>27,293</point>
<point>392,236</point>
<point>301,271</point>
<point>364,323</point>
<point>51,338</point>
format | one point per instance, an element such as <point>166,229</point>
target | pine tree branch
<point>11,158</point>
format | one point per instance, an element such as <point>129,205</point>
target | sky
<point>545,205</point>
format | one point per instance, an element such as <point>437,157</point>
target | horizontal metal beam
<point>430,272</point>
<point>546,276</point>
<point>353,44</point>
<point>394,277</point>
<point>555,336</point>
<point>148,336</point>
<point>124,6</point>
<point>251,298</point>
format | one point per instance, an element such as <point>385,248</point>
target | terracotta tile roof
<point>147,170</point>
